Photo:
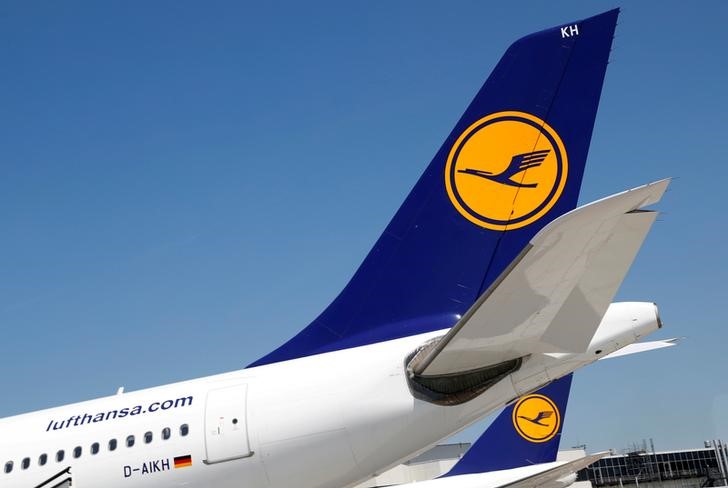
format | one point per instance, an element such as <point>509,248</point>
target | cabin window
<point>95,448</point>
<point>77,452</point>
<point>147,438</point>
<point>112,445</point>
<point>184,430</point>
<point>130,441</point>
<point>42,459</point>
<point>166,433</point>
<point>60,455</point>
<point>25,464</point>
<point>8,467</point>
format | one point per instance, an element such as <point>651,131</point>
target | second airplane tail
<point>525,433</point>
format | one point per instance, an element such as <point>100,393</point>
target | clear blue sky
<point>184,185</point>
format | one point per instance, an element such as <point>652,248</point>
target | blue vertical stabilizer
<point>525,433</point>
<point>512,163</point>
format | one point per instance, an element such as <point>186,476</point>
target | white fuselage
<point>329,420</point>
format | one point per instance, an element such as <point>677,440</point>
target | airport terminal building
<point>687,468</point>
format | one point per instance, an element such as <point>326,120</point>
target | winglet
<point>514,440</point>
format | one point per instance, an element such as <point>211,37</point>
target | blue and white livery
<point>486,285</point>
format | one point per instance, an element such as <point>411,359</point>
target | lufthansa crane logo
<point>536,418</point>
<point>506,170</point>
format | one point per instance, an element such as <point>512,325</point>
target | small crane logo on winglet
<point>518,164</point>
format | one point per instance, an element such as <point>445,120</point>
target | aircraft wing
<point>554,295</point>
<point>553,474</point>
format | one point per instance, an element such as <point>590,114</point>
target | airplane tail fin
<point>526,432</point>
<point>513,162</point>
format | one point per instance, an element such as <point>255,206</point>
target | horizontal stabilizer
<point>639,347</point>
<point>554,295</point>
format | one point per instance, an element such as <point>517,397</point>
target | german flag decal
<point>183,461</point>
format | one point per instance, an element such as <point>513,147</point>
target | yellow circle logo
<point>536,418</point>
<point>506,170</point>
